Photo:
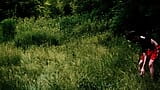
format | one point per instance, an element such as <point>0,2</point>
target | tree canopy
<point>139,15</point>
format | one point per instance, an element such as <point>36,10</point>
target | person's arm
<point>145,58</point>
<point>154,42</point>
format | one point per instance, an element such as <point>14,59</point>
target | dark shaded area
<point>18,8</point>
<point>8,27</point>
<point>85,84</point>
<point>8,61</point>
<point>29,8</point>
<point>5,8</point>
<point>157,68</point>
<point>9,85</point>
<point>67,9</point>
<point>27,39</point>
<point>25,9</point>
<point>142,16</point>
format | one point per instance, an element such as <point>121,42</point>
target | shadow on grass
<point>151,84</point>
<point>85,84</point>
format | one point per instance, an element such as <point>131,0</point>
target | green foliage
<point>79,51</point>
<point>41,23</point>
<point>81,64</point>
<point>9,56</point>
<point>118,15</point>
<point>7,29</point>
<point>37,38</point>
<point>52,8</point>
<point>76,26</point>
<point>92,59</point>
<point>86,6</point>
<point>43,31</point>
<point>67,23</point>
<point>10,79</point>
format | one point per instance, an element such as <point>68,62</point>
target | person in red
<point>150,50</point>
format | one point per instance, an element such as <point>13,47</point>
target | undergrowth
<point>69,53</point>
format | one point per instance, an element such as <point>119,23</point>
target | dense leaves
<point>141,16</point>
<point>27,8</point>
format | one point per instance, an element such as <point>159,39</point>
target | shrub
<point>8,29</point>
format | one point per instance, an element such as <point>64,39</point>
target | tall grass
<point>82,64</point>
<point>9,55</point>
<point>95,59</point>
<point>37,32</point>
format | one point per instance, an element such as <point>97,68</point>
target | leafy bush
<point>8,27</point>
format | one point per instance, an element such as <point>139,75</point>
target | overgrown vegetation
<point>70,44</point>
<point>7,29</point>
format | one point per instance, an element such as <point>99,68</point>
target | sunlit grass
<point>89,61</point>
<point>82,64</point>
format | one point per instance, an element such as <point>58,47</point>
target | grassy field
<point>68,53</point>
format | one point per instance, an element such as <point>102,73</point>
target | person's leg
<point>153,57</point>
<point>140,63</point>
<point>151,68</point>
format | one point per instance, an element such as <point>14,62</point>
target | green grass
<point>89,61</point>
<point>7,29</point>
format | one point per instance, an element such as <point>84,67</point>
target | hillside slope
<point>73,52</point>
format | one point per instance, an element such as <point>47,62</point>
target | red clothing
<point>152,54</point>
